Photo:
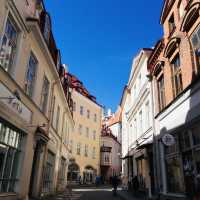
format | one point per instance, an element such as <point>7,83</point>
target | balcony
<point>106,155</point>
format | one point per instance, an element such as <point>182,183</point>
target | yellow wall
<point>76,137</point>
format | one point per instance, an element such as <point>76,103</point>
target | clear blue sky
<point>98,39</point>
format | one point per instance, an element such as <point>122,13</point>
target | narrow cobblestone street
<point>87,193</point>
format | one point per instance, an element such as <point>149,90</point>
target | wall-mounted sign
<point>168,140</point>
<point>14,104</point>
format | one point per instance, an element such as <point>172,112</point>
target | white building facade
<point>137,126</point>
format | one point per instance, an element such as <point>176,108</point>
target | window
<point>94,135</point>
<point>161,92</point>
<point>195,40</point>
<point>176,75</point>
<point>53,110</point>
<point>147,115</point>
<point>135,127</point>
<point>61,175</point>
<point>87,132</point>
<point>57,117</point>
<point>139,81</point>
<point>45,94</point>
<point>71,146</point>
<point>81,110</point>
<point>172,25</point>
<point>8,45</point>
<point>74,106</point>
<point>94,153</point>
<point>78,149</point>
<point>95,117</point>
<point>86,150</point>
<point>88,114</point>
<point>49,172</point>
<point>140,122</point>
<point>181,9</point>
<point>80,129</point>
<point>10,158</point>
<point>31,75</point>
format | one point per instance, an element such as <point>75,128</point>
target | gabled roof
<point>166,9</point>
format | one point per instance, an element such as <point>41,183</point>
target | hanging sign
<point>168,140</point>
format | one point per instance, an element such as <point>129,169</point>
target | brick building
<point>175,65</point>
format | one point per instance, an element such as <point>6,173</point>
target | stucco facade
<point>84,140</point>
<point>26,105</point>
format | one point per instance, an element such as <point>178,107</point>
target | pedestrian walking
<point>115,183</point>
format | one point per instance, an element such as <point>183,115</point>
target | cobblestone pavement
<point>102,193</point>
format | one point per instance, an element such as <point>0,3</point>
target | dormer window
<point>172,25</point>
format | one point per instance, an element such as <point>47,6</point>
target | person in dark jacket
<point>115,183</point>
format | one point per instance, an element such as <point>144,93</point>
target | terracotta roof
<point>76,84</point>
<point>115,118</point>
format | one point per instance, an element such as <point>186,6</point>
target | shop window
<point>45,94</point>
<point>195,40</point>
<point>8,45</point>
<point>185,141</point>
<point>31,75</point>
<point>174,175</point>
<point>176,75</point>
<point>196,135</point>
<point>10,158</point>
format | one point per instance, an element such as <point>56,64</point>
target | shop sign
<point>10,100</point>
<point>168,140</point>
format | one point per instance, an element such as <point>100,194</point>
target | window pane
<point>8,47</point>
<point>195,40</point>
<point>175,183</point>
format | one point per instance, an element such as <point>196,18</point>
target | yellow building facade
<point>85,139</point>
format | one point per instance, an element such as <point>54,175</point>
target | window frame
<point>176,75</point>
<point>43,105</point>
<point>14,23</point>
<point>35,76</point>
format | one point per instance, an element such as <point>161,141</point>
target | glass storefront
<point>10,157</point>
<point>183,161</point>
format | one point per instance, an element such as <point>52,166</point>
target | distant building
<point>111,144</point>
<point>84,140</point>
